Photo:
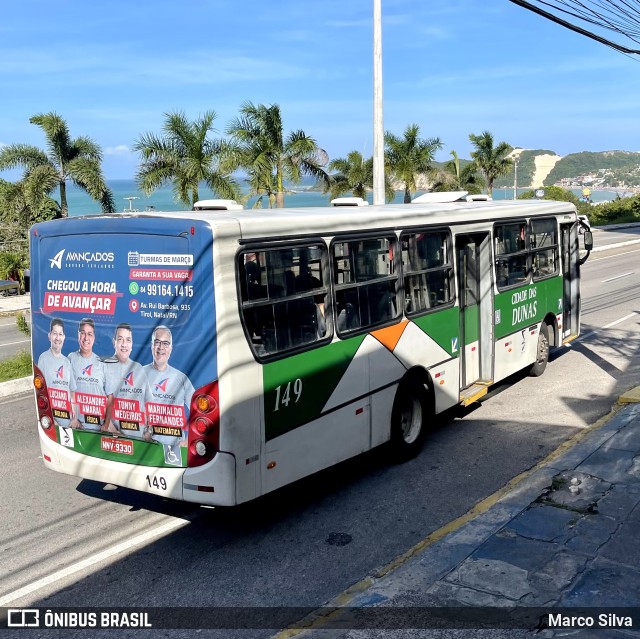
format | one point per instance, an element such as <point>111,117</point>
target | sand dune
<point>544,164</point>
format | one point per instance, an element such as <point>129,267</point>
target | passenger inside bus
<point>251,290</point>
<point>287,315</point>
<point>306,281</point>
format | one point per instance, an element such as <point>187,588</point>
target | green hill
<point>611,168</point>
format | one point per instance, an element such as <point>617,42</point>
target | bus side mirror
<point>588,241</point>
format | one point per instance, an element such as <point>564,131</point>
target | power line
<point>619,16</point>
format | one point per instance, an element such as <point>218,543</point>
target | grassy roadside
<point>15,367</point>
<point>19,365</point>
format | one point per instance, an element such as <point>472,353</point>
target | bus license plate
<point>124,447</point>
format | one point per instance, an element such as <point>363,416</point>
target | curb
<point>15,387</point>
<point>632,396</point>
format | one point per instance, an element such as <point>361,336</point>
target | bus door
<point>473,253</point>
<point>570,280</point>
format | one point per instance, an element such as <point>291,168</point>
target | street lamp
<point>378,125</point>
<point>515,178</point>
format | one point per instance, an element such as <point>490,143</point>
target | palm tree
<point>263,184</point>
<point>354,175</point>
<point>184,156</point>
<point>23,203</point>
<point>409,156</point>
<point>78,160</point>
<point>453,178</point>
<point>261,148</point>
<point>491,161</point>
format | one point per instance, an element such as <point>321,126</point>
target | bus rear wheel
<point>409,419</point>
<point>542,352</point>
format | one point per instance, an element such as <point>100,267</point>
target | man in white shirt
<point>125,387</point>
<point>90,401</point>
<point>56,369</point>
<point>167,398</point>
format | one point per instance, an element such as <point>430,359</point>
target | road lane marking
<point>91,561</point>
<point>22,341</point>
<point>619,321</point>
<point>591,260</point>
<point>617,277</point>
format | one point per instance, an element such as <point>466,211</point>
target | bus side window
<point>366,282</point>
<point>512,257</point>
<point>544,247</point>
<point>428,272</point>
<point>278,298</point>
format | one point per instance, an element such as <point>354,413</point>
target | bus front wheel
<point>542,352</point>
<point>409,419</point>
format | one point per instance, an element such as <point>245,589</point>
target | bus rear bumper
<point>211,484</point>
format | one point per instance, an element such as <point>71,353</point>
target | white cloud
<point>120,149</point>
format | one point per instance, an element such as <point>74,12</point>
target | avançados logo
<point>88,257</point>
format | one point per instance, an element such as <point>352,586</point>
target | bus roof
<point>263,223</point>
<point>440,197</point>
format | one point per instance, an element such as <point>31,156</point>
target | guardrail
<point>7,287</point>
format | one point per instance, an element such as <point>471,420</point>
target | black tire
<point>542,352</point>
<point>411,410</point>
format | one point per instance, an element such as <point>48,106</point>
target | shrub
<point>12,267</point>
<point>622,210</point>
<point>22,324</point>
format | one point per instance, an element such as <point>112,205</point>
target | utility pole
<point>378,124</point>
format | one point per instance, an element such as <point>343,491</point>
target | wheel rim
<point>411,420</point>
<point>543,348</point>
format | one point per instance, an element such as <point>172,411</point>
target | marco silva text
<point>602,620</point>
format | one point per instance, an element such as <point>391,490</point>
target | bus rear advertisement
<point>124,357</point>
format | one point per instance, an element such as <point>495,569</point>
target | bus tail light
<point>45,416</point>
<point>204,425</point>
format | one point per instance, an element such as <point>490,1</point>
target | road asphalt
<point>555,548</point>
<point>554,553</point>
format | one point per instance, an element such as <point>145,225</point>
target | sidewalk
<point>562,538</point>
<point>11,304</point>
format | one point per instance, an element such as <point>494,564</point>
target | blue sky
<point>113,68</point>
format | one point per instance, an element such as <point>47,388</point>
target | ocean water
<point>163,199</point>
<point>298,196</point>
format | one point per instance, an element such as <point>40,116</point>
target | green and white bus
<point>215,356</point>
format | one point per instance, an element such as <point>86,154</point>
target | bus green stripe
<point>319,371</point>
<point>144,453</point>
<point>521,307</point>
<point>443,327</point>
